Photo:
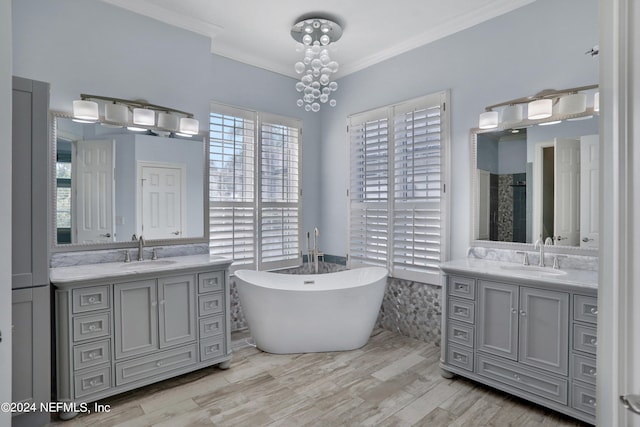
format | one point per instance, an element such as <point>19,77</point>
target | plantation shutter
<point>368,190</point>
<point>396,198</point>
<point>417,213</point>
<point>279,203</point>
<point>232,213</point>
<point>254,188</point>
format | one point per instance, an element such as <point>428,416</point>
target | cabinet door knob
<point>523,313</point>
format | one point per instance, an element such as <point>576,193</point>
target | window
<point>254,187</point>
<point>397,193</point>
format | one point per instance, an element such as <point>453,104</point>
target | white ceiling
<point>257,32</point>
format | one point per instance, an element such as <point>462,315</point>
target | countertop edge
<point>74,275</point>
<point>490,269</point>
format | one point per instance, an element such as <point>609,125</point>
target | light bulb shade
<point>168,121</point>
<point>511,114</point>
<point>85,111</point>
<point>574,103</point>
<point>116,113</point>
<point>488,120</point>
<point>189,126</point>
<point>540,109</point>
<point>144,117</point>
<point>596,102</point>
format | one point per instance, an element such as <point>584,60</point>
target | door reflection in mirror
<point>538,182</point>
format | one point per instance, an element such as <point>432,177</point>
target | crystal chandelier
<point>316,36</point>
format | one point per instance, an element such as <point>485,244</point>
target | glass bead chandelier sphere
<point>316,37</point>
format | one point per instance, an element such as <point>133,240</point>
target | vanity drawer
<point>516,375</point>
<point>585,338</point>
<point>92,354</point>
<point>585,309</point>
<point>463,311</point>
<point>584,368</point>
<point>93,326</point>
<point>460,333</point>
<point>583,398</point>
<point>210,304</point>
<point>462,287</point>
<point>155,364</point>
<point>211,326</point>
<point>460,357</point>
<point>90,299</point>
<point>90,382</point>
<point>213,281</point>
<point>211,348</point>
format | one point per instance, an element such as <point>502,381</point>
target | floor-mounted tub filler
<point>290,313</point>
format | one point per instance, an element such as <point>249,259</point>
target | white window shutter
<point>254,188</point>
<point>397,174</point>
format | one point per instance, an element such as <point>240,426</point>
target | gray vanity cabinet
<point>525,324</point>
<point>117,335</point>
<point>176,310</point>
<point>498,319</point>
<point>153,314</point>
<point>136,318</point>
<point>544,329</point>
<point>535,342</point>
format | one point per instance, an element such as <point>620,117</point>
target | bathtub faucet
<point>316,252</point>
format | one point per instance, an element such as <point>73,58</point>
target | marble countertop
<point>119,270</point>
<point>508,271</point>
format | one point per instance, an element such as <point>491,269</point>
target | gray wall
<point>492,62</point>
<point>536,47</point>
<point>120,54</point>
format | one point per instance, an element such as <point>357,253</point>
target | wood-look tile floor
<point>392,381</point>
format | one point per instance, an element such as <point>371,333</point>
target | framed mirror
<point>537,180</point>
<point>110,185</point>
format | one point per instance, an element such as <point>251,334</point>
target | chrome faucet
<point>541,245</point>
<point>140,248</point>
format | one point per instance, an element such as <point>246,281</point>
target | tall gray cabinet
<point>31,367</point>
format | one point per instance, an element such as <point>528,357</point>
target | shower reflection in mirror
<point>538,182</point>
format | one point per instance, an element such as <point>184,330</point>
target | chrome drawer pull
<point>594,310</point>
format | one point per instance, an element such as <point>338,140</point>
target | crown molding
<point>447,28</point>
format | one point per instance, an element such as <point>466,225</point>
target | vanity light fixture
<point>488,120</point>
<point>540,109</point>
<point>573,103</point>
<point>116,113</point>
<point>566,104</point>
<point>168,121</point>
<point>143,117</point>
<point>85,111</point>
<point>315,37</point>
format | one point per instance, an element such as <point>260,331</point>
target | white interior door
<point>162,207</point>
<point>589,191</point>
<point>92,179</point>
<point>484,204</point>
<point>567,192</point>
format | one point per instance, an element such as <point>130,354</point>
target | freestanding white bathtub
<point>290,313</point>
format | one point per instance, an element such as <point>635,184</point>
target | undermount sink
<point>533,269</point>
<point>148,264</point>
